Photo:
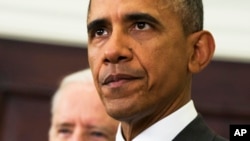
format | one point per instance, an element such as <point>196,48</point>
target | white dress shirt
<point>167,128</point>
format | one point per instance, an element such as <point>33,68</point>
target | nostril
<point>120,58</point>
<point>116,59</point>
<point>106,60</point>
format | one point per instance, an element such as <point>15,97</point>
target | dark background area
<point>30,74</point>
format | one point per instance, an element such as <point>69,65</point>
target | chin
<point>120,111</point>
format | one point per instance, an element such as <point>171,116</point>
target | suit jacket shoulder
<point>197,130</point>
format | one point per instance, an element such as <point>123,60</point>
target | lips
<point>117,77</point>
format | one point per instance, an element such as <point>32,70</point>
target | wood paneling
<point>30,74</point>
<point>25,117</point>
<point>222,94</point>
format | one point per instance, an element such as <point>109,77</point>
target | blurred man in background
<point>78,113</point>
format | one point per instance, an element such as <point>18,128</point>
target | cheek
<point>51,133</point>
<point>91,57</point>
<point>162,59</point>
<point>152,56</point>
<point>94,59</point>
<point>95,62</point>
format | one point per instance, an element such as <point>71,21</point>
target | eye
<point>142,26</point>
<point>64,131</point>
<point>98,134</point>
<point>101,32</point>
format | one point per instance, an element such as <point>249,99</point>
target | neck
<point>132,128</point>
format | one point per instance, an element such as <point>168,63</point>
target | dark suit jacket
<point>197,130</point>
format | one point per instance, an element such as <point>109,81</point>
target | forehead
<point>78,103</point>
<point>78,97</point>
<point>117,8</point>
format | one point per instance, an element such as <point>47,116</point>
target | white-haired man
<point>78,113</point>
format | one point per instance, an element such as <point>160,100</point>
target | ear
<point>202,50</point>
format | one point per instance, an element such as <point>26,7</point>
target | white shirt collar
<point>167,128</point>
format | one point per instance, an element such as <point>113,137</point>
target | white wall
<point>229,21</point>
<point>64,22</point>
<point>53,21</point>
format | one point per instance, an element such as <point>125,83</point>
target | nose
<point>78,137</point>
<point>78,134</point>
<point>118,48</point>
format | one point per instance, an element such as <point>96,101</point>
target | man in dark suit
<point>197,130</point>
<point>143,54</point>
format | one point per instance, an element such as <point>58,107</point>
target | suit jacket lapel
<point>197,130</point>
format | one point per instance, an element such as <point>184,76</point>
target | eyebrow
<point>96,24</point>
<point>129,17</point>
<point>64,125</point>
<point>141,16</point>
